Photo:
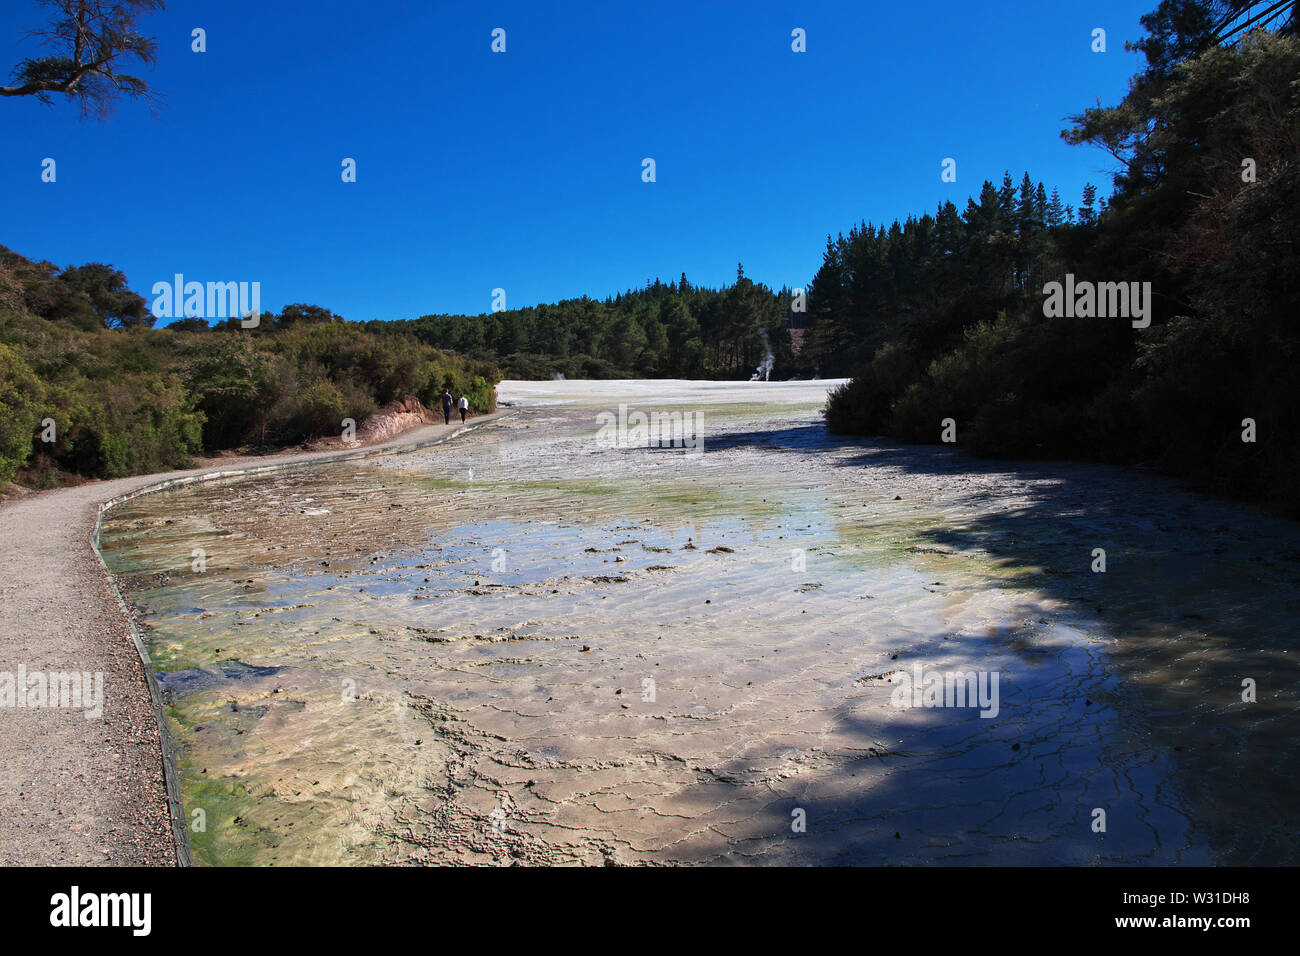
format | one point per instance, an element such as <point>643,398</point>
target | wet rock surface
<point>528,647</point>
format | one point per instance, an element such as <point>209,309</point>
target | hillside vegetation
<point>77,349</point>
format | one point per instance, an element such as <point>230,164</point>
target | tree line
<point>939,317</point>
<point>664,330</point>
<point>942,317</point>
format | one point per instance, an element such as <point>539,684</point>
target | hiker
<point>463,405</point>
<point>446,407</point>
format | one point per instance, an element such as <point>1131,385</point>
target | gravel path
<point>79,789</point>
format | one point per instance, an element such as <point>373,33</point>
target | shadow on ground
<point>1197,603</point>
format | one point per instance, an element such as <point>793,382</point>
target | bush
<point>126,401</point>
<point>862,406</point>
<point>21,397</point>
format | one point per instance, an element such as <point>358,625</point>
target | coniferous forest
<point>943,316</point>
<point>673,330</point>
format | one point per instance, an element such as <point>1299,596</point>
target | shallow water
<point>526,646</point>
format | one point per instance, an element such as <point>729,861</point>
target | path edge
<point>171,774</point>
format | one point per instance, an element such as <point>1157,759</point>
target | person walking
<point>446,407</point>
<point>463,404</point>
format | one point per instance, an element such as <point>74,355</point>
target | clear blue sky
<point>522,170</point>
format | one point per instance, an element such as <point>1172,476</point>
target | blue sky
<point>522,170</point>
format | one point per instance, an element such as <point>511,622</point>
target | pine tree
<point>1006,202</point>
<point>1055,209</point>
<point>1025,207</point>
<point>1086,213</point>
<point>949,229</point>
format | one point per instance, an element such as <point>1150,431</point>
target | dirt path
<point>85,785</point>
